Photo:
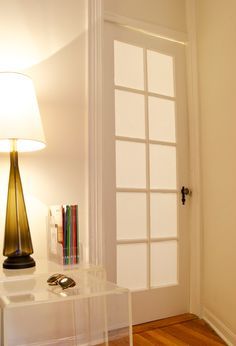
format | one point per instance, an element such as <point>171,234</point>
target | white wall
<point>216,28</point>
<point>46,39</point>
<point>167,13</point>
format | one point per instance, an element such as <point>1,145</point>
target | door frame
<point>96,17</point>
<point>94,89</point>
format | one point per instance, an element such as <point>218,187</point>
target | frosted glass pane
<point>163,215</point>
<point>162,167</point>
<point>132,266</point>
<point>160,73</point>
<point>129,114</point>
<point>130,164</point>
<point>164,263</point>
<point>128,62</point>
<point>161,119</point>
<point>131,219</point>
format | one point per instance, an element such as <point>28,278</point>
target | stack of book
<point>64,233</point>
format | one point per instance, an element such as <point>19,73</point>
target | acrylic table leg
<point>2,326</point>
<point>130,319</point>
<point>105,321</point>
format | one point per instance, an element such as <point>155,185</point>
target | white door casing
<point>96,17</point>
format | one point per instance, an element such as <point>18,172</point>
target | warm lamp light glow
<point>21,145</point>
<point>19,114</point>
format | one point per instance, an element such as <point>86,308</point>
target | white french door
<point>145,164</point>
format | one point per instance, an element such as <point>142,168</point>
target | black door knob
<point>185,191</point>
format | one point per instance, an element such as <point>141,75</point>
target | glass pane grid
<point>144,92</point>
<point>131,216</point>
<point>145,240</point>
<point>140,136</point>
<point>163,214</point>
<point>132,266</point>
<point>160,73</point>
<point>133,241</point>
<point>140,140</point>
<point>129,114</point>
<point>161,115</point>
<point>164,263</point>
<point>150,138</point>
<point>162,239</point>
<point>163,166</point>
<point>164,285</point>
<point>128,63</point>
<point>130,164</point>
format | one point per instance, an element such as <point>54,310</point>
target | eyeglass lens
<point>62,280</point>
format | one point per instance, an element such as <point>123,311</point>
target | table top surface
<point>44,266</point>
<point>29,286</point>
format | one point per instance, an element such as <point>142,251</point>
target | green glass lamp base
<point>17,241</point>
<point>19,262</point>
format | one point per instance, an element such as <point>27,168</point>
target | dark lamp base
<point>19,262</point>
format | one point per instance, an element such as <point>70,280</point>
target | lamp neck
<point>14,158</point>
<point>13,144</point>
<point>14,153</point>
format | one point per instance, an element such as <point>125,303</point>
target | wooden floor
<point>182,330</point>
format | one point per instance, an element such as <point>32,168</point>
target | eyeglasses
<point>61,280</point>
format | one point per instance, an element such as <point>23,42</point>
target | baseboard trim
<point>220,328</point>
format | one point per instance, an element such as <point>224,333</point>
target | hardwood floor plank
<point>154,341</point>
<point>203,328</point>
<point>188,339</point>
<point>192,337</point>
<point>119,342</point>
<point>182,330</point>
<point>198,335</point>
<point>208,340</point>
<point>139,340</point>
<point>166,339</point>
<point>163,322</point>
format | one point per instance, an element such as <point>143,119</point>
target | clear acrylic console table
<point>94,312</point>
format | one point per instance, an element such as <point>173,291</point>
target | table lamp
<point>20,131</point>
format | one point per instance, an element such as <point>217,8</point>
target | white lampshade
<point>19,114</point>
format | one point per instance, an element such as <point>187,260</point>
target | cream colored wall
<point>216,29</point>
<point>167,13</point>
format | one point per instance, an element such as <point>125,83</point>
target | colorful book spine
<point>74,234</point>
<point>77,236</point>
<point>64,233</point>
<point>68,235</point>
